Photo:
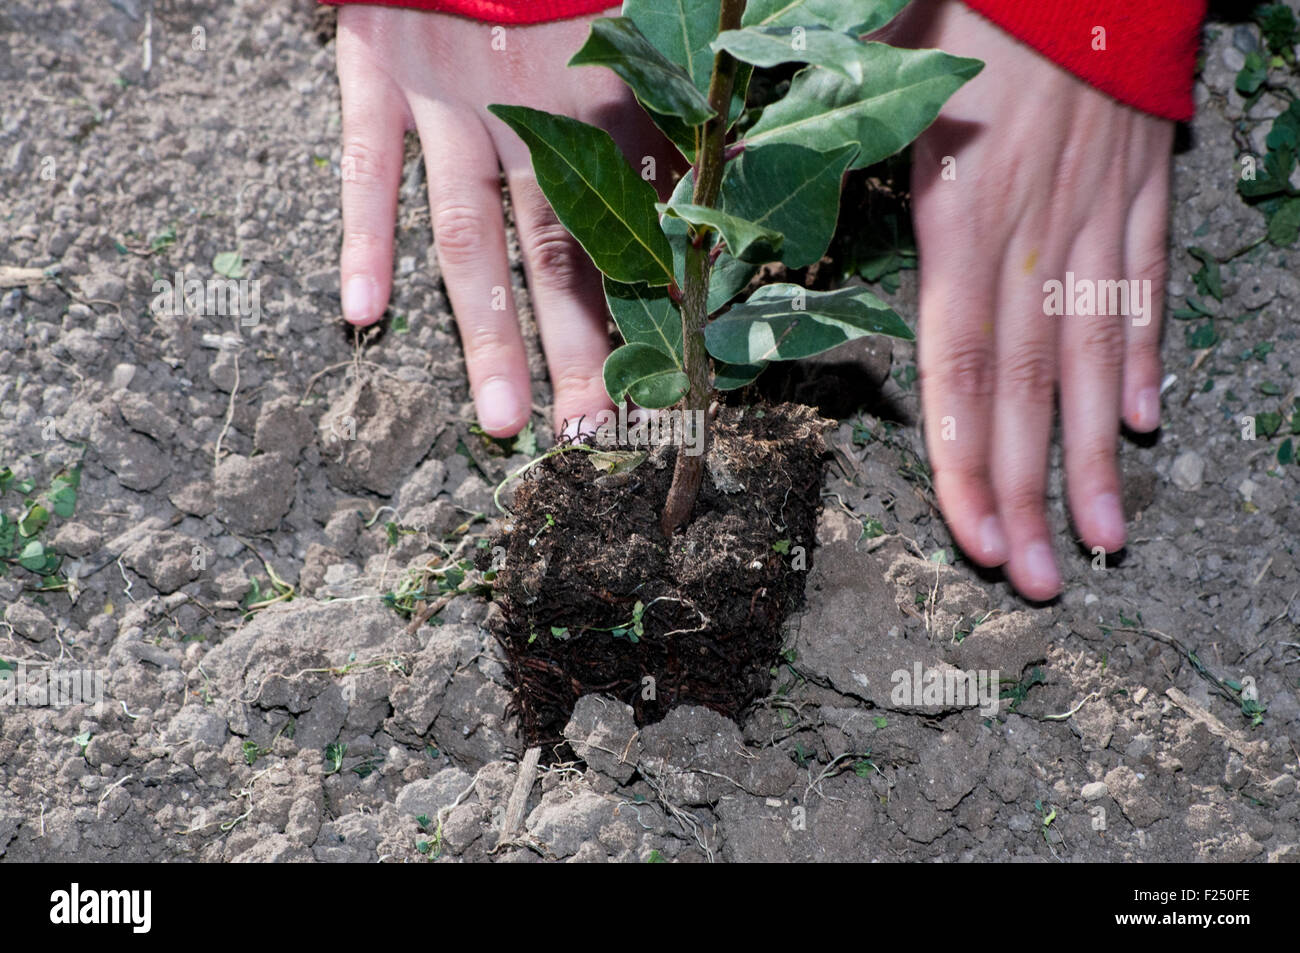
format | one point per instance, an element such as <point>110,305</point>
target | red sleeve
<point>502,11</point>
<point>1146,57</point>
<point>1142,52</point>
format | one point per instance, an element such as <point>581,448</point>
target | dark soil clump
<point>595,599</point>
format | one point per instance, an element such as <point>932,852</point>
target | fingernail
<point>1040,564</point>
<point>993,545</point>
<point>499,407</point>
<point>1108,519</point>
<point>360,300</point>
<point>1147,413</point>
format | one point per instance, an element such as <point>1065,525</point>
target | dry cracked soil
<point>237,724</point>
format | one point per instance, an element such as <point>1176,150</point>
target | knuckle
<point>578,380</point>
<point>1029,372</point>
<point>955,479</point>
<point>556,257</point>
<point>1021,499</point>
<point>458,232</point>
<point>1143,350</point>
<point>364,164</point>
<point>486,343</point>
<point>361,240</point>
<point>965,369</point>
<point>1102,343</point>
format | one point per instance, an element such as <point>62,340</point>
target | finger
<point>1145,259</point>
<point>1022,414</point>
<point>470,239</point>
<point>955,363</point>
<point>566,291</point>
<point>1091,366</point>
<point>375,118</point>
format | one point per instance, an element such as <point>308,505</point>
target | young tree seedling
<point>763,190</point>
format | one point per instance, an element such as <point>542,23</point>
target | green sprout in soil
<point>437,582</point>
<point>335,752</point>
<point>1241,695</point>
<point>252,751</point>
<point>763,188</point>
<point>1018,690</point>
<point>22,527</point>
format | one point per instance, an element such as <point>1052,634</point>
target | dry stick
<point>230,415</point>
<point>688,473</point>
<point>518,802</point>
<point>1215,727</point>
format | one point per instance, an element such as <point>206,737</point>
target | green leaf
<point>660,85</point>
<point>6,478</point>
<point>63,500</point>
<point>1273,177</point>
<point>1278,24</point>
<point>784,322</point>
<point>848,16</point>
<point>62,494</point>
<point>1267,423</point>
<point>1285,131</point>
<point>8,532</point>
<point>229,264</point>
<point>646,375</point>
<point>727,277</point>
<point>791,190</point>
<point>745,240</point>
<point>616,461</point>
<point>36,558</point>
<point>901,94</point>
<point>681,30</point>
<point>1252,74</point>
<point>735,376</point>
<point>1199,339</point>
<point>818,45</point>
<point>1208,280</point>
<point>646,315</point>
<point>33,520</point>
<point>1284,223</point>
<point>596,195</point>
<point>1286,452</point>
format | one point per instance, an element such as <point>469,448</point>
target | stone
<point>377,432</point>
<point>1188,471</point>
<point>197,723</point>
<point>253,494</point>
<point>428,796</point>
<point>603,733</point>
<point>29,621</point>
<point>1094,791</point>
<point>282,427</point>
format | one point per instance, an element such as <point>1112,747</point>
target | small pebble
<point>1188,471</point>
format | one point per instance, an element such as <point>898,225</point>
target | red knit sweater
<point>1142,52</point>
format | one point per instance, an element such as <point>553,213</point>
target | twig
<point>518,802</point>
<point>230,415</point>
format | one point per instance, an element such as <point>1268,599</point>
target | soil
<point>584,550</point>
<point>320,728</point>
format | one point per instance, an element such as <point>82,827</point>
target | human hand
<point>1046,176</point>
<point>401,69</point>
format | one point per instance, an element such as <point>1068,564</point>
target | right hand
<point>435,73</point>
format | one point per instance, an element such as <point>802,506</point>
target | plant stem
<point>710,163</point>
